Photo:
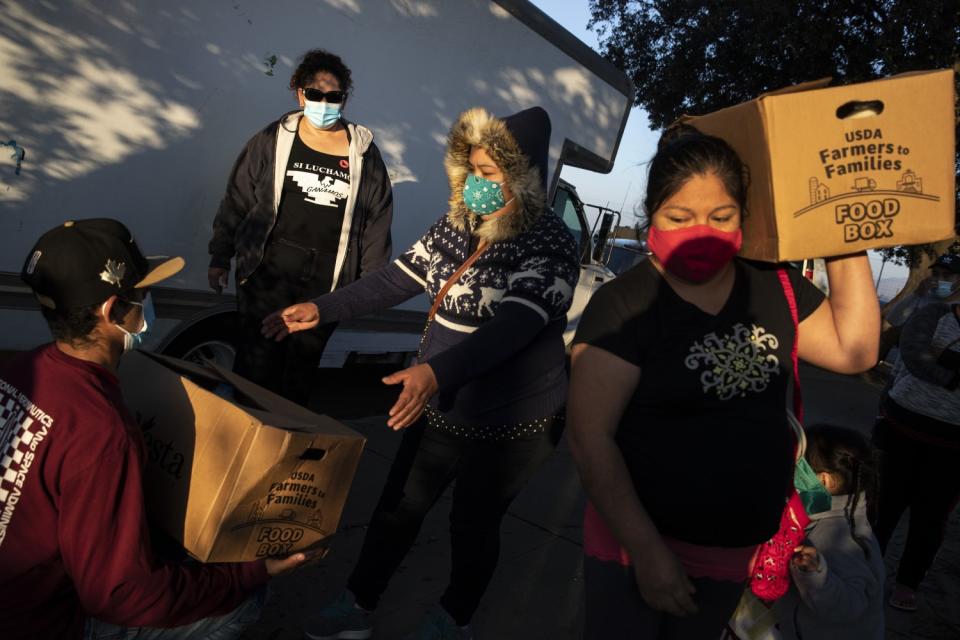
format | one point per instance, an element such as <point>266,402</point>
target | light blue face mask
<point>134,339</point>
<point>322,115</point>
<point>483,196</point>
<point>943,289</point>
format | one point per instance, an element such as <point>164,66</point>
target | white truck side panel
<point>137,110</point>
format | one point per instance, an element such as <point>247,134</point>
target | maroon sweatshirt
<point>73,531</point>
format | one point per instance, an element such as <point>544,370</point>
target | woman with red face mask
<point>678,399</point>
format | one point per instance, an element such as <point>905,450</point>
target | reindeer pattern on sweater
<point>536,268</point>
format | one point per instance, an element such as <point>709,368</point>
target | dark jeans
<point>489,476</point>
<point>289,274</point>
<point>225,627</point>
<point>615,609</point>
<point>923,477</point>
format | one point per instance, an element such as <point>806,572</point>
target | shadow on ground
<point>536,592</point>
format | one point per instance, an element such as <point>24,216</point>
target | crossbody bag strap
<point>788,292</point>
<point>453,279</point>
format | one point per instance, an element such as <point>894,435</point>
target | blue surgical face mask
<point>322,115</point>
<point>134,339</point>
<point>943,289</point>
<point>483,196</point>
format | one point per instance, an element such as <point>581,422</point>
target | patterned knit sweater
<point>496,343</point>
<point>537,269</point>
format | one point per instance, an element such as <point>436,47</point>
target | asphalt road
<point>537,589</point>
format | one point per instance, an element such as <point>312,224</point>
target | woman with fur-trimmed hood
<point>483,404</point>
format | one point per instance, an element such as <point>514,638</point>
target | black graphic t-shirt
<point>705,435</point>
<point>315,190</point>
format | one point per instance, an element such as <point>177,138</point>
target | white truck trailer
<point>136,109</point>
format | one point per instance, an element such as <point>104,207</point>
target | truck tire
<point>212,339</point>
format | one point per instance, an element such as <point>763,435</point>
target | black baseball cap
<point>83,262</point>
<point>948,261</point>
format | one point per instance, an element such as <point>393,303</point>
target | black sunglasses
<point>316,95</point>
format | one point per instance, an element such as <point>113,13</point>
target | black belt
<point>311,265</point>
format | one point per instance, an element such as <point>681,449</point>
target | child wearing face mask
<point>837,573</point>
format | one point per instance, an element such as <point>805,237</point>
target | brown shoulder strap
<point>453,279</point>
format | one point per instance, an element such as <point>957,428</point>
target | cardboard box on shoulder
<point>843,169</point>
<point>235,480</point>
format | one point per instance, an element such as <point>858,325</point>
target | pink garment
<point>770,579</point>
<point>716,563</point>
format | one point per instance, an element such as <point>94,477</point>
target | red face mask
<point>694,253</point>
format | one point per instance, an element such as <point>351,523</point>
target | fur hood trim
<point>479,127</point>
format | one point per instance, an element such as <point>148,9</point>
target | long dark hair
<point>684,152</point>
<point>847,455</point>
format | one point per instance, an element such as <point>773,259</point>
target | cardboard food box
<point>843,169</point>
<point>235,480</point>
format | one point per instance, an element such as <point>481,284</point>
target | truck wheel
<point>212,340</point>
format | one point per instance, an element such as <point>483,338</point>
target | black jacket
<point>248,211</point>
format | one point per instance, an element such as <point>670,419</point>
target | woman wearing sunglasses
<point>307,209</point>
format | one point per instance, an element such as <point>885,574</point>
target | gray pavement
<point>537,589</point>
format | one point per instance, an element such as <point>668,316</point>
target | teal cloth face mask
<point>322,115</point>
<point>483,196</point>
<point>815,497</point>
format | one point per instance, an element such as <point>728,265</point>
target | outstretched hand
<point>419,385</point>
<point>299,317</point>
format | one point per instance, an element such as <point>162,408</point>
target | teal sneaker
<point>440,626</point>
<point>340,620</point>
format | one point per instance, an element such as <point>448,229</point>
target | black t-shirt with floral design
<point>705,434</point>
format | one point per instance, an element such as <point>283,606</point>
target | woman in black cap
<point>307,209</point>
<point>483,405</point>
